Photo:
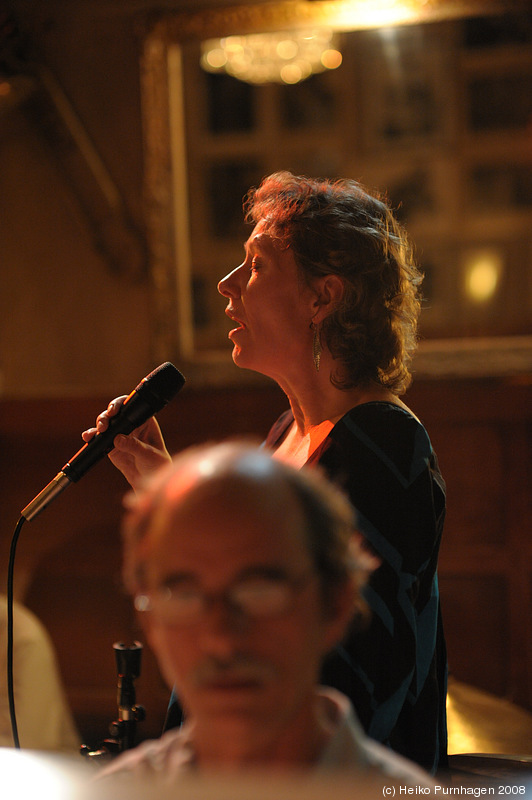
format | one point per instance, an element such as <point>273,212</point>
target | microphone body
<point>150,396</point>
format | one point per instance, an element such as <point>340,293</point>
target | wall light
<point>482,273</point>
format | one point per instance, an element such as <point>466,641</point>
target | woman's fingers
<point>136,455</point>
<point>135,459</point>
<point>102,420</point>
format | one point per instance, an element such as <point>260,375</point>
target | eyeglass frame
<point>152,602</point>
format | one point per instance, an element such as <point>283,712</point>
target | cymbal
<point>479,722</point>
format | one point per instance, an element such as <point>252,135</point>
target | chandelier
<point>282,57</point>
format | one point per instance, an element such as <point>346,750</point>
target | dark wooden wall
<point>68,558</point>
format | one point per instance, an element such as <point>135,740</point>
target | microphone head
<point>164,382</point>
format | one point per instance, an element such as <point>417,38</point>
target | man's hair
<point>328,519</point>
<point>337,227</point>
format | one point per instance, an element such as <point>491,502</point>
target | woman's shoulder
<point>382,415</point>
<point>388,430</point>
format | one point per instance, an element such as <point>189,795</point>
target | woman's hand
<point>136,455</point>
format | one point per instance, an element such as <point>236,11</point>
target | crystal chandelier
<point>281,57</point>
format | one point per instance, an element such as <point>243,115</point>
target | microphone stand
<point>123,730</point>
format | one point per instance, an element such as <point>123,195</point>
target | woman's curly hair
<point>337,227</point>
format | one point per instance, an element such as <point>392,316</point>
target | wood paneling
<point>482,432</point>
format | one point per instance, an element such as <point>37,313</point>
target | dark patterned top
<point>394,671</point>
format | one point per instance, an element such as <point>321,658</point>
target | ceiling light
<point>281,57</point>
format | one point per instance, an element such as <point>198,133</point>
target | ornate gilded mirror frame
<point>166,176</point>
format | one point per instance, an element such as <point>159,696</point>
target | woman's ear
<point>329,291</point>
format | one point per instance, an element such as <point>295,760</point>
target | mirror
<point>434,111</point>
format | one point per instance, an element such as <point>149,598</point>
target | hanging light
<point>282,57</point>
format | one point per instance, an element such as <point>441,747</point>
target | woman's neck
<point>315,414</point>
<point>329,404</point>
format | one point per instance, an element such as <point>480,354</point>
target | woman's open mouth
<point>240,325</point>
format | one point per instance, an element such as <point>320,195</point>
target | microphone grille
<point>164,381</point>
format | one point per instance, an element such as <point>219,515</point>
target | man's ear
<point>329,291</point>
<point>340,613</point>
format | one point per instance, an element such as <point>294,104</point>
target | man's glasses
<point>252,596</point>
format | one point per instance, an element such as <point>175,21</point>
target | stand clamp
<point>122,730</point>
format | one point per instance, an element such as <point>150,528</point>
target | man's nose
<point>222,627</point>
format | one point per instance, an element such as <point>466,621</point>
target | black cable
<point>10,684</point>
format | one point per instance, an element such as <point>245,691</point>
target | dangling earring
<point>316,346</point>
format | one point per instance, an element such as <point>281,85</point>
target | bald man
<point>245,573</point>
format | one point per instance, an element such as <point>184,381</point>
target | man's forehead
<point>244,509</point>
<point>250,496</point>
<point>216,545</point>
<point>237,481</point>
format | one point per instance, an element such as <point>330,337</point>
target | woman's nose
<point>229,286</point>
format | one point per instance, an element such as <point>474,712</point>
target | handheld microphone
<point>150,396</point>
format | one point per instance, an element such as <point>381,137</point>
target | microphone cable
<point>10,638</point>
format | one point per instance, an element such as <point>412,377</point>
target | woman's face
<point>272,306</point>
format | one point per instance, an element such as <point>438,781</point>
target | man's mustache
<point>240,669</point>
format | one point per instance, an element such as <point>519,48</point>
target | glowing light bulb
<point>281,57</point>
<point>331,59</point>
<point>483,270</point>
